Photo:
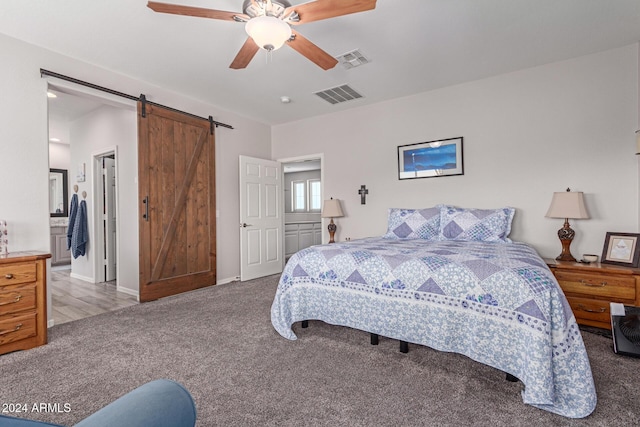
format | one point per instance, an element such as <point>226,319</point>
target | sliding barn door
<point>176,166</point>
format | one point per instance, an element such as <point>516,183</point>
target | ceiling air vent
<point>338,94</point>
<point>352,59</point>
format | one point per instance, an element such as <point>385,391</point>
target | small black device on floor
<point>625,328</point>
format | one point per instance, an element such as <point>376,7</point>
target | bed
<point>452,288</point>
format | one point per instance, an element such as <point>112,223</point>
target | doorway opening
<point>302,195</point>
<point>82,126</point>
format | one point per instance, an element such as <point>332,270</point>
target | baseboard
<point>86,279</point>
<point>227,280</point>
<point>128,291</point>
<point>50,323</point>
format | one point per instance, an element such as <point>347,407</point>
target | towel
<point>80,235</point>
<point>73,211</point>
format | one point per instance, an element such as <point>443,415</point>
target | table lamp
<point>567,204</point>
<point>331,209</point>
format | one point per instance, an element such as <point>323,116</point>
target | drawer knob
<point>8,276</point>
<point>589,310</point>
<point>593,285</point>
<point>17,328</point>
<point>17,299</point>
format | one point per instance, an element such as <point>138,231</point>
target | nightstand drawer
<point>16,328</point>
<point>17,298</point>
<point>599,285</point>
<point>590,309</point>
<point>17,273</point>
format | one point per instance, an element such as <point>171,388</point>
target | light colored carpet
<point>220,344</point>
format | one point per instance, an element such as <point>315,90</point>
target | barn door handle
<point>145,215</point>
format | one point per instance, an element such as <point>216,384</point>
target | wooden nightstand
<point>591,287</point>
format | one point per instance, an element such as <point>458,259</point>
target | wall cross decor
<point>363,194</point>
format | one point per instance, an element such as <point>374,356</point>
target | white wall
<point>526,135</point>
<point>59,156</point>
<point>24,140</point>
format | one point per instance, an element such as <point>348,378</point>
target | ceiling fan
<point>269,22</point>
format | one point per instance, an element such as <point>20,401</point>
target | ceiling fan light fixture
<point>268,32</point>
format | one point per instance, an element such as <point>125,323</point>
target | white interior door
<point>110,217</point>
<point>261,218</point>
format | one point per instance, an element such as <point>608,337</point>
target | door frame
<point>296,159</point>
<point>98,226</point>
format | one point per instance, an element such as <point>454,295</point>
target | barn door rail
<point>142,97</point>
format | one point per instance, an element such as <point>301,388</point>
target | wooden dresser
<point>23,301</point>
<point>591,287</point>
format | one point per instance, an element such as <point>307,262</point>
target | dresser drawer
<point>16,298</point>
<point>16,328</point>
<point>609,287</point>
<point>590,309</point>
<point>14,274</point>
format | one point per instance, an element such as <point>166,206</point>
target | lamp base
<point>566,257</point>
<point>332,231</point>
<point>566,235</point>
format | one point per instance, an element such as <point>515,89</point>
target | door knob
<point>244,225</point>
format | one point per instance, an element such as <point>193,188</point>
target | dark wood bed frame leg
<point>404,347</point>
<point>511,378</point>
<point>305,324</point>
<point>374,339</point>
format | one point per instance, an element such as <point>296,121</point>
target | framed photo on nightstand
<point>621,249</point>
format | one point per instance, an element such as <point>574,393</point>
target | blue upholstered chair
<point>159,403</point>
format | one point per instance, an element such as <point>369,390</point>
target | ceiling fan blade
<point>245,55</point>
<point>324,9</point>
<point>200,12</point>
<point>312,52</point>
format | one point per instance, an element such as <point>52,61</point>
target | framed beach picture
<point>430,159</point>
<point>621,249</point>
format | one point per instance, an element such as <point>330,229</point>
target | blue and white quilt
<point>494,302</point>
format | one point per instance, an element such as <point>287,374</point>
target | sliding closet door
<point>176,166</point>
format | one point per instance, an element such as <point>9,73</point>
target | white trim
<point>228,280</point>
<point>127,291</point>
<point>83,278</point>
<point>50,323</point>
<point>96,173</point>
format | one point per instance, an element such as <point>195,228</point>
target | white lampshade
<point>332,209</point>
<point>268,32</point>
<point>567,204</point>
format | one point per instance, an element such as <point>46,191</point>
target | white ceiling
<point>413,45</point>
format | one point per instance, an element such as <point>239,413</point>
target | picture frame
<point>621,249</point>
<point>431,159</point>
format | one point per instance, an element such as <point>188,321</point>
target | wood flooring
<point>74,299</point>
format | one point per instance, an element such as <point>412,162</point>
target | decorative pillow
<point>484,225</point>
<point>413,224</point>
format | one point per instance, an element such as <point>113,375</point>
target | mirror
<point>58,193</point>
